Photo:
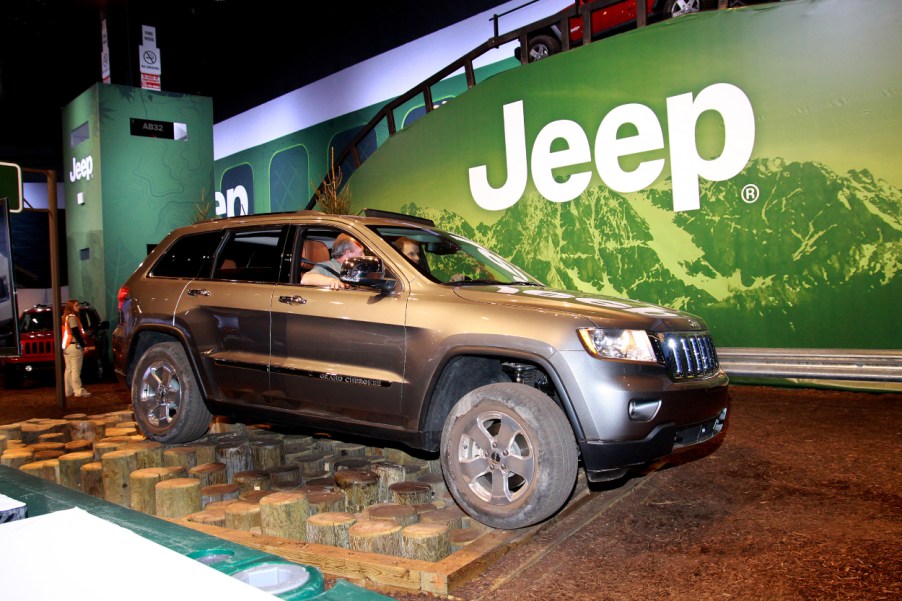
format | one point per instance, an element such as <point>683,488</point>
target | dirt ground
<point>801,499</point>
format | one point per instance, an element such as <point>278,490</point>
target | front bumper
<point>604,460</point>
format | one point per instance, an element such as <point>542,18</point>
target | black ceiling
<point>239,52</point>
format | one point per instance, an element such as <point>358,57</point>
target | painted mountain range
<point>765,260</point>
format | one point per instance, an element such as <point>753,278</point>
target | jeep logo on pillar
<point>686,166</point>
<point>237,195</point>
<point>83,169</point>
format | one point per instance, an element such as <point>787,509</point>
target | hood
<point>602,311</point>
<point>36,335</point>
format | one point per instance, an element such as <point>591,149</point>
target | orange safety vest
<point>68,338</point>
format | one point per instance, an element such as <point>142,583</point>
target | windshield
<point>36,321</point>
<point>451,259</point>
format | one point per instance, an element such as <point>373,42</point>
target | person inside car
<point>326,273</point>
<point>409,248</point>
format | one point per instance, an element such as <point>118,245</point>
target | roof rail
<point>393,215</point>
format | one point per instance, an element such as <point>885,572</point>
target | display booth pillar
<point>137,164</point>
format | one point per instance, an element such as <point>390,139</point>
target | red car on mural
<point>606,21</point>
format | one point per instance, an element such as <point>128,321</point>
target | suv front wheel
<point>166,398</point>
<point>508,455</point>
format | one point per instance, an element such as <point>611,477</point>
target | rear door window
<point>190,257</point>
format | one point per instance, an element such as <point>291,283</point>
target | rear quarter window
<point>190,257</point>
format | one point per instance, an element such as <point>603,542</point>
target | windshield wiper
<point>474,283</point>
<point>525,283</point>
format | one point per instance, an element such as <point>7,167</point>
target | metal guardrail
<point>817,364</point>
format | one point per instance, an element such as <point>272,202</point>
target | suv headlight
<point>630,345</point>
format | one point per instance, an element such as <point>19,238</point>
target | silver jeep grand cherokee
<point>450,349</point>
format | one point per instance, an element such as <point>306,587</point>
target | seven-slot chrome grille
<point>687,355</point>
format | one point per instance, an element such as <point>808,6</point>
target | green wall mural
<point>784,118</point>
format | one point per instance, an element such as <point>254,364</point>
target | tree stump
<point>312,465</point>
<point>177,497</point>
<point>180,456</point>
<point>3,443</point>
<point>209,473</point>
<point>75,416</point>
<point>105,446</point>
<point>148,453</point>
<point>412,471</point>
<point>212,517</point>
<point>403,515</point>
<point>285,477</point>
<point>325,502</point>
<point>52,437</point>
<point>16,458</point>
<point>47,469</point>
<point>429,541</point>
<point>217,505</point>
<point>242,515</point>
<point>236,455</point>
<point>48,454</point>
<point>252,480</point>
<point>347,449</point>
<point>389,473</point>
<point>219,492</point>
<point>324,483</point>
<point>360,488</point>
<point>410,493</point>
<point>452,516</point>
<point>436,482</point>
<point>461,537</point>
<point>397,456</point>
<point>205,451</point>
<point>92,479</point>
<point>142,484</point>
<point>70,468</point>
<point>376,536</point>
<point>115,432</point>
<point>31,431</point>
<point>284,514</point>
<point>117,465</point>
<point>267,453</point>
<point>351,463</point>
<point>12,431</point>
<point>254,496</point>
<point>77,446</point>
<point>330,528</point>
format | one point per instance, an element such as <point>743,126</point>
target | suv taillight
<point>121,296</point>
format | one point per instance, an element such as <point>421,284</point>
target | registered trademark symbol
<point>750,193</point>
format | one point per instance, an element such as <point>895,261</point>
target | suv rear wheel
<point>166,398</point>
<point>508,455</point>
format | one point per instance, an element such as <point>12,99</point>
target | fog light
<point>644,411</point>
<point>29,368</point>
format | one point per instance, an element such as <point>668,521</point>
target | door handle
<point>198,292</point>
<point>293,300</point>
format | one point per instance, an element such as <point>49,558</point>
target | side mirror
<point>366,271</point>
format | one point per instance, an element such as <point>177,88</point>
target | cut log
<point>53,437</point>
<point>12,431</point>
<point>347,449</point>
<point>410,493</point>
<point>77,446</point>
<point>47,469</point>
<point>330,528</point>
<point>177,497</point>
<point>285,477</point>
<point>217,505</point>
<point>429,541</point>
<point>117,465</point>
<point>461,537</point>
<point>70,468</point>
<point>31,431</point>
<point>436,482</point>
<point>236,455</point>
<point>209,473</point>
<point>142,485</point>
<point>148,453</point>
<point>351,463</point>
<point>75,416</point>
<point>312,465</point>
<point>284,514</point>
<point>3,443</point>
<point>252,480</point>
<point>16,458</point>
<point>375,536</point>
<point>451,516</point>
<point>267,453</point>
<point>205,451</point>
<point>211,517</point>
<point>219,492</point>
<point>106,446</point>
<point>389,473</point>
<point>43,455</point>
<point>242,515</point>
<point>403,515</point>
<point>325,502</point>
<point>254,496</point>
<point>183,456</point>
<point>360,488</point>
<point>92,479</point>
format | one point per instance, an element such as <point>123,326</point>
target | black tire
<point>528,469</point>
<point>542,46</point>
<point>166,399</point>
<point>678,8</point>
